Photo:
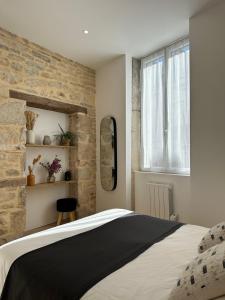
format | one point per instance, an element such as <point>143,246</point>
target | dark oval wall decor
<point>108,153</point>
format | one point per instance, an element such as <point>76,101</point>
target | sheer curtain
<point>153,70</point>
<point>178,105</point>
<point>166,110</point>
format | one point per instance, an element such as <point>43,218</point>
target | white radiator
<point>156,201</point>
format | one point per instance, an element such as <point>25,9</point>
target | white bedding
<point>152,275</point>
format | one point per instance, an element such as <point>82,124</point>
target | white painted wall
<point>181,190</point>
<point>41,201</point>
<point>113,98</point>
<point>208,115</point>
<point>200,198</point>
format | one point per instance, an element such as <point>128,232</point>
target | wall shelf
<point>44,184</point>
<point>48,104</point>
<point>49,146</point>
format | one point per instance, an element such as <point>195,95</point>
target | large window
<point>166,110</point>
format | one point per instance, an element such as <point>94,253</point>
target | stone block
<point>11,135</point>
<point>11,164</point>
<point>82,123</point>
<point>12,111</point>
<point>4,92</point>
<point>4,218</point>
<point>85,173</point>
<point>17,220</point>
<point>86,152</point>
<point>8,194</point>
<point>13,182</point>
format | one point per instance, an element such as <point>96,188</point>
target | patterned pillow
<point>214,236</point>
<point>203,278</point>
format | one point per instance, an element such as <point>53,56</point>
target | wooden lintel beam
<point>46,103</point>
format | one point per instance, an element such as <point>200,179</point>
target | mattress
<point>151,275</point>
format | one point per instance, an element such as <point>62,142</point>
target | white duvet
<point>151,275</point>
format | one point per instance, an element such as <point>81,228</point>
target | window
<point>165,113</point>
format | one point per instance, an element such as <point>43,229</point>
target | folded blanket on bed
<point>67,269</point>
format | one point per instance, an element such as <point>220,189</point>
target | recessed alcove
<point>40,199</point>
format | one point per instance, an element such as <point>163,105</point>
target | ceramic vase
<point>30,180</point>
<point>47,140</point>
<point>30,137</point>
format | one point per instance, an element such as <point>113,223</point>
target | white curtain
<point>166,110</point>
<point>152,118</point>
<point>178,103</point>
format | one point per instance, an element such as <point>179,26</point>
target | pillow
<point>214,236</point>
<point>203,278</point>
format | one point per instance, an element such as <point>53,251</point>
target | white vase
<point>30,137</point>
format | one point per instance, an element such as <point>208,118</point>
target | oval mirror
<point>108,153</point>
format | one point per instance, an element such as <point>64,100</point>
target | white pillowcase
<point>203,278</point>
<point>214,236</point>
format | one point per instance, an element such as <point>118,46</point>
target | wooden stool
<point>67,205</point>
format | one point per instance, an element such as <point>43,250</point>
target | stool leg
<point>60,216</point>
<point>72,216</point>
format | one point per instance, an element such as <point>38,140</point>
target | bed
<point>151,275</point>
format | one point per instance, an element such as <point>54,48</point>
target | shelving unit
<point>49,192</point>
<point>44,184</point>
<point>49,146</point>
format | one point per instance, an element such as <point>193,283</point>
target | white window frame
<point>164,169</point>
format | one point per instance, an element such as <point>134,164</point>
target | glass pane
<point>153,111</point>
<point>178,107</point>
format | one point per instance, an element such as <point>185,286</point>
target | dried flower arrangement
<point>53,168</point>
<point>31,118</point>
<point>35,160</point>
<point>31,177</point>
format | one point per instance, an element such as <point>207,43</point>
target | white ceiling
<point>135,27</point>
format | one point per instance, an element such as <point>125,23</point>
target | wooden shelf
<point>48,104</point>
<point>51,183</point>
<point>49,146</point>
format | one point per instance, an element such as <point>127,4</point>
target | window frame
<point>164,169</point>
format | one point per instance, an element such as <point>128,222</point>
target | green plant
<point>64,135</point>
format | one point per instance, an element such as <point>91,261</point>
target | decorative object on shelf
<point>65,137</point>
<point>68,176</point>
<point>47,140</point>
<point>31,118</point>
<point>53,168</point>
<point>31,176</point>
<point>58,182</point>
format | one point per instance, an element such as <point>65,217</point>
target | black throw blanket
<point>67,269</point>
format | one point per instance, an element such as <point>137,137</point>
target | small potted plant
<point>53,168</point>
<point>31,177</point>
<point>65,137</point>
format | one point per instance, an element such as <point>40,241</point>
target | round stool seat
<point>66,204</point>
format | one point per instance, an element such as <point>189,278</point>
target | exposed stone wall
<point>29,68</point>
<point>12,152</point>
<point>136,119</point>
<point>84,166</point>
